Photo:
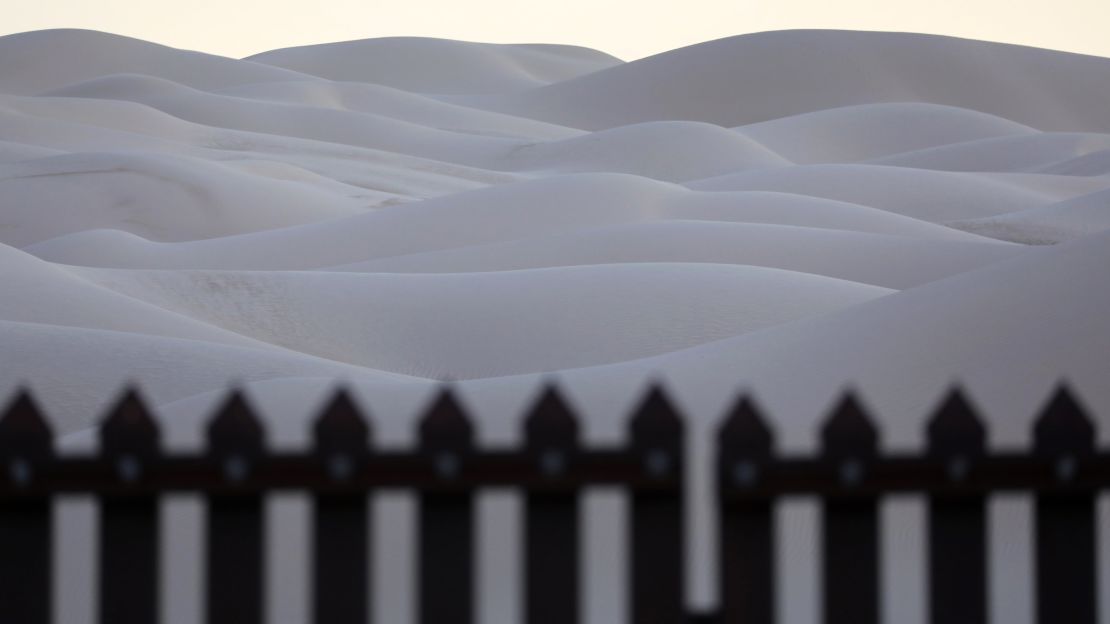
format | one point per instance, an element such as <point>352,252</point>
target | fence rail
<point>957,472</point>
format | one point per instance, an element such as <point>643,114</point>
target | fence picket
<point>235,519</point>
<point>341,571</point>
<point>129,439</point>
<point>446,548</point>
<point>657,564</point>
<point>551,517</point>
<point>745,446</point>
<point>26,523</point>
<point>129,473</point>
<point>1065,521</point>
<point>851,527</point>
<point>957,522</point>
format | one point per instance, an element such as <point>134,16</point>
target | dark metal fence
<point>1063,470</point>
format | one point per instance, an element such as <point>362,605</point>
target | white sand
<point>786,211</point>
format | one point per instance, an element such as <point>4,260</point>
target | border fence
<point>1063,470</point>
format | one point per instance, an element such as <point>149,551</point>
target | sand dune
<point>47,59</point>
<point>427,65</point>
<point>928,195</point>
<point>1036,153</point>
<point>843,255</point>
<point>272,205</point>
<point>100,362</point>
<point>12,152</point>
<point>1093,164</point>
<point>787,211</point>
<point>764,76</point>
<point>1065,221</point>
<point>497,214</point>
<point>82,124</point>
<point>865,131</point>
<point>158,197</point>
<point>516,326</point>
<point>662,150</point>
<point>400,104</point>
<point>44,293</point>
<point>68,124</point>
<point>307,122</point>
<point>666,150</point>
<point>979,326</point>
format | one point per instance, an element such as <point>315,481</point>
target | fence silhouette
<point>957,472</point>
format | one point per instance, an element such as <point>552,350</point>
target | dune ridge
<point>764,76</point>
<point>420,193</point>
<point>783,212</point>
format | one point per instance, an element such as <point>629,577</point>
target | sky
<point>628,29</point>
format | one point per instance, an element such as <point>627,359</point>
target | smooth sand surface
<point>788,212</point>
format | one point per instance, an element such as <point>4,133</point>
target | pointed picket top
<point>341,425</point>
<point>550,420</point>
<point>955,428</point>
<point>1063,425</point>
<point>745,431</point>
<point>235,428</point>
<point>656,422</point>
<point>129,426</point>
<point>849,429</point>
<point>445,424</point>
<point>24,428</point>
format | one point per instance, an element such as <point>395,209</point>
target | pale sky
<point>629,29</point>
